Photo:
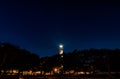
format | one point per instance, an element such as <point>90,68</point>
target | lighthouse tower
<point>61,57</point>
<point>61,50</point>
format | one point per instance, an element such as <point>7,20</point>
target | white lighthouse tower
<point>61,57</point>
<point>61,50</point>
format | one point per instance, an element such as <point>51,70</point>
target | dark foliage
<point>13,57</point>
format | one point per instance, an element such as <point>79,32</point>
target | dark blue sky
<point>40,26</point>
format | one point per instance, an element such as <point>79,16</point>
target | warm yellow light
<point>61,52</point>
<point>87,72</point>
<point>71,71</point>
<point>55,70</point>
<point>15,71</point>
<point>81,72</point>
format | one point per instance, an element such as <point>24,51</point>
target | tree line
<point>104,60</point>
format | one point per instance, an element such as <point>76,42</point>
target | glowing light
<point>15,71</point>
<point>21,78</point>
<point>62,56</point>
<point>81,72</point>
<point>61,46</point>
<point>61,66</point>
<point>71,71</point>
<point>55,70</point>
<point>61,52</point>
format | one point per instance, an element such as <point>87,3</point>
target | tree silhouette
<point>12,57</point>
<point>92,60</point>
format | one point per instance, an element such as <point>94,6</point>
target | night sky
<point>40,26</point>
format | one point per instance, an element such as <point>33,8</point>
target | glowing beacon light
<point>61,46</point>
<point>60,49</point>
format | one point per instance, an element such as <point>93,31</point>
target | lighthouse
<point>61,50</point>
<point>61,57</point>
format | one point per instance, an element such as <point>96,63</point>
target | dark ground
<point>61,77</point>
